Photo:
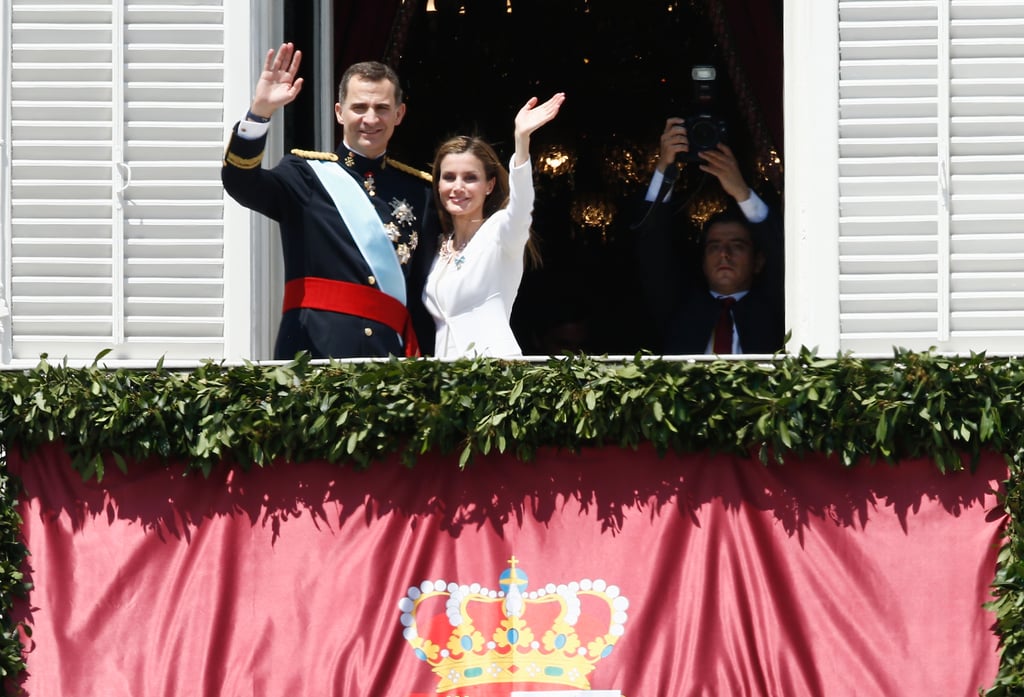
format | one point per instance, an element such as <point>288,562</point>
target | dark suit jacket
<point>677,292</point>
<point>316,242</point>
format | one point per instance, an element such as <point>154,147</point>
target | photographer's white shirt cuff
<point>655,185</point>
<point>754,208</point>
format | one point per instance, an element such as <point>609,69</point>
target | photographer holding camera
<point>725,294</point>
<point>700,138</point>
<point>715,158</point>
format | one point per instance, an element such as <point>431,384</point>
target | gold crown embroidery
<point>470,635</point>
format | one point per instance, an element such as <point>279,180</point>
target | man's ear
<point>337,113</point>
<point>400,113</point>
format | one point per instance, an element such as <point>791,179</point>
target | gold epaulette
<point>402,167</point>
<point>315,155</point>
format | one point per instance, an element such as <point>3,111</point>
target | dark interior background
<point>467,66</point>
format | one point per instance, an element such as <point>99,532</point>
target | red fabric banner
<point>612,571</point>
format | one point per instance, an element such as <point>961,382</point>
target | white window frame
<point>253,281</point>
<point>811,125</point>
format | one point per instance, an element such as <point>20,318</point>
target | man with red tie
<point>735,302</point>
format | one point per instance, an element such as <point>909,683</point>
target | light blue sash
<point>365,226</point>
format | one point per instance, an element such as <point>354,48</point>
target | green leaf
<point>119,461</point>
<point>784,434</point>
<point>882,428</point>
<point>517,391</point>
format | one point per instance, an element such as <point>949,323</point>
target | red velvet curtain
<point>749,33</point>
<point>362,29</point>
<point>362,32</point>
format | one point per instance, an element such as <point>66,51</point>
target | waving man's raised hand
<point>277,85</point>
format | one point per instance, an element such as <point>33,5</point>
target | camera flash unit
<point>703,73</point>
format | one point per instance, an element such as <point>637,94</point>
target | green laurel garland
<point>949,409</point>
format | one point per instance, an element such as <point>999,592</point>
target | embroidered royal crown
<point>470,635</point>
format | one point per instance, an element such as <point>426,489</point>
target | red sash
<point>352,299</point>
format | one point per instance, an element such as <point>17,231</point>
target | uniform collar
<point>361,164</point>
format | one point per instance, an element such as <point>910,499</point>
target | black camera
<point>704,128</point>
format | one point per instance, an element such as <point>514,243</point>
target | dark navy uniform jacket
<point>317,243</point>
<point>677,292</point>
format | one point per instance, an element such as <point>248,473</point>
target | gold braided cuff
<point>234,160</point>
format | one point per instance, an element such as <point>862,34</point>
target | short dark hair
<point>731,214</point>
<point>373,71</point>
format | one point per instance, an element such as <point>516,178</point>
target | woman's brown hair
<point>493,169</point>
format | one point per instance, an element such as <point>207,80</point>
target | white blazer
<point>470,294</point>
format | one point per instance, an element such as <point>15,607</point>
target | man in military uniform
<point>351,221</point>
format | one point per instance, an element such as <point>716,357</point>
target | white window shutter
<point>931,148</point>
<point>987,174</point>
<point>174,126</point>
<point>116,224</point>
<point>889,278</point>
<point>62,115</point>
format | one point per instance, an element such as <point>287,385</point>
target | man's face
<point>730,261</point>
<point>369,115</point>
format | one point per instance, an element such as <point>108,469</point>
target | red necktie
<point>723,328</point>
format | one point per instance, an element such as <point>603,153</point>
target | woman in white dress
<point>486,213</point>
